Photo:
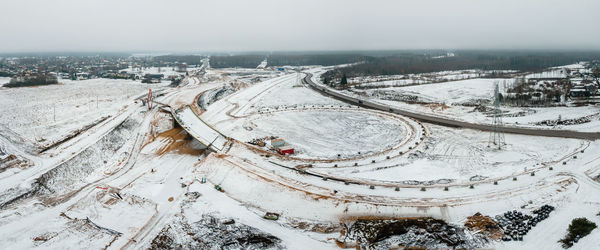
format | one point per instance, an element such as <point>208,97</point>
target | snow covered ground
<point>459,99</point>
<point>46,114</point>
<point>4,80</point>
<point>325,133</point>
<point>134,181</point>
<point>463,155</point>
<point>449,93</point>
<point>366,82</point>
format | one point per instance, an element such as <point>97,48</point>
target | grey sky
<point>182,25</point>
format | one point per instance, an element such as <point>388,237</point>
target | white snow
<point>326,133</point>
<point>452,92</point>
<point>46,114</point>
<point>395,152</point>
<point>4,80</point>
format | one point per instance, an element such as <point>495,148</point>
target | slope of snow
<point>45,114</point>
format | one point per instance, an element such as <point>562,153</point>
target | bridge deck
<point>200,130</point>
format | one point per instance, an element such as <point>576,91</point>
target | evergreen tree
<point>344,80</point>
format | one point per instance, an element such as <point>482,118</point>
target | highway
<point>445,121</point>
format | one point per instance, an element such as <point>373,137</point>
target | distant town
<point>39,70</point>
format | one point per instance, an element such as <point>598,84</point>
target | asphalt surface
<point>449,122</point>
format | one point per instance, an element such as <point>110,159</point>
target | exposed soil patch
<point>13,161</point>
<point>177,141</point>
<point>485,225</point>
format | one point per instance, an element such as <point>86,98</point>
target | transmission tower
<point>497,133</point>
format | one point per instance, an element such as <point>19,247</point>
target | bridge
<point>200,130</point>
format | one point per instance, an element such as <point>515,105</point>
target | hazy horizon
<point>181,26</point>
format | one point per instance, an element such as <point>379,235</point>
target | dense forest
<point>396,62</point>
<point>323,59</point>
<point>282,59</point>
<point>408,63</point>
<point>189,59</point>
<point>239,61</point>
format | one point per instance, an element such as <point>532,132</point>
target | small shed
<point>284,150</point>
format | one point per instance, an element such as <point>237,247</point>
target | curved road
<point>445,121</point>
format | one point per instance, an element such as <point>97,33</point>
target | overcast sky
<point>251,25</point>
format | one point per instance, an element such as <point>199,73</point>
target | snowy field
<point>136,181</point>
<point>4,80</point>
<point>325,134</point>
<point>45,114</point>
<point>422,78</point>
<point>449,93</point>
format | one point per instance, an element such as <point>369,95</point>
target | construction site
<point>226,161</point>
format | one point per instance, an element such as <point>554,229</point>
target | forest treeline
<point>495,60</point>
<point>188,59</point>
<point>323,59</point>
<point>237,61</point>
<point>252,61</point>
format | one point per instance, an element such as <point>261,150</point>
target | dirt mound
<point>177,141</point>
<point>485,225</point>
<point>213,233</point>
<point>409,233</point>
